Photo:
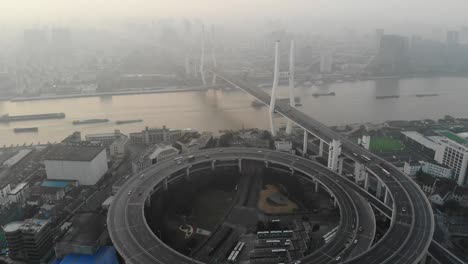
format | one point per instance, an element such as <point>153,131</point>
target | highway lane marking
<point>147,252</point>
<point>125,228</point>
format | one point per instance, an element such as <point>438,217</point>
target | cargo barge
<point>90,121</point>
<point>25,129</point>
<point>257,103</point>
<point>424,95</point>
<point>8,118</point>
<point>323,94</point>
<point>119,122</point>
<point>387,96</point>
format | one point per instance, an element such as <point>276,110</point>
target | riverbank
<point>119,93</point>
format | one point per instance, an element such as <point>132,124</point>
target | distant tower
<point>187,66</point>
<point>326,62</point>
<point>378,37</point>
<point>273,91</point>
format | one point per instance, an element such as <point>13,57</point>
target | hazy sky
<point>429,11</point>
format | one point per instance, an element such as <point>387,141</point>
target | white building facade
<point>436,170</point>
<point>84,164</point>
<point>453,153</point>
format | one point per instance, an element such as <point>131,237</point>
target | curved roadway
<point>411,229</point>
<point>137,244</point>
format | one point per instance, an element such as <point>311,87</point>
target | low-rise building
<point>47,194</point>
<point>114,142</point>
<point>195,144</point>
<point>153,155</point>
<point>5,189</point>
<point>19,194</point>
<point>460,194</point>
<point>85,164</point>
<point>85,235</point>
<point>151,136</point>
<point>106,139</point>
<point>285,146</point>
<point>436,170</point>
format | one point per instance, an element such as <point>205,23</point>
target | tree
<point>451,205</point>
<point>260,226</point>
<point>419,174</point>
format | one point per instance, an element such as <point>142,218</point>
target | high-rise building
<point>393,55</point>
<point>29,241</point>
<point>379,32</point>
<point>60,40</point>
<point>453,153</point>
<point>452,37</point>
<point>326,62</point>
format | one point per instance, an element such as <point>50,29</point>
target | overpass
<point>137,243</point>
<point>412,226</point>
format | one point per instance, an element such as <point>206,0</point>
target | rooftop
<point>33,225</point>
<point>56,184</point>
<point>18,187</point>
<point>453,137</point>
<point>74,153</point>
<point>421,139</point>
<point>12,227</point>
<point>86,229</point>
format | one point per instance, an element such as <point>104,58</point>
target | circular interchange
<point>137,243</point>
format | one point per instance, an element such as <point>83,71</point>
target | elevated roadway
<point>136,242</point>
<point>412,226</point>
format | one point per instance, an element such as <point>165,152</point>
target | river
<point>213,110</point>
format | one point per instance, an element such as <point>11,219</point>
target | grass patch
<point>385,144</point>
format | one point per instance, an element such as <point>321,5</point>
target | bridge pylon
<point>202,57</point>
<point>291,74</point>
<point>273,91</point>
<point>213,55</point>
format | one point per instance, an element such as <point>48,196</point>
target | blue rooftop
<point>56,184</point>
<point>105,255</point>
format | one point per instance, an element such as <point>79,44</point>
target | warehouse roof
<point>74,153</point>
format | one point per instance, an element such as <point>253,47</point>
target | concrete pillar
<point>386,197</point>
<point>304,145</point>
<point>187,173</point>
<point>213,56</point>
<point>292,102</point>
<point>365,142</point>
<point>334,152</point>
<point>317,185</point>
<point>239,164</point>
<point>267,164</point>
<point>359,172</point>
<point>213,164</point>
<point>321,148</point>
<point>165,184</point>
<point>340,166</point>
<point>366,182</point>
<point>378,192</point>
<point>202,57</point>
<point>424,260</point>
